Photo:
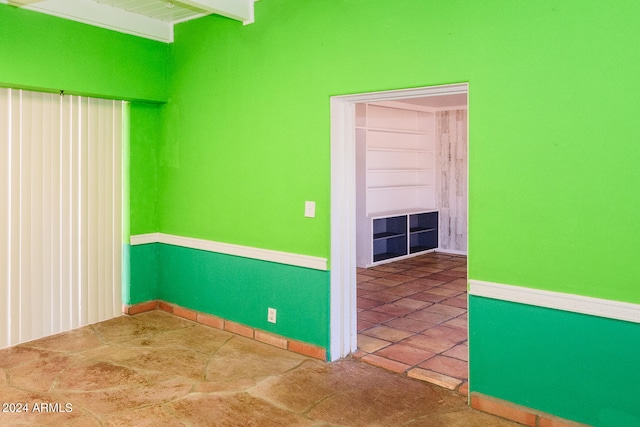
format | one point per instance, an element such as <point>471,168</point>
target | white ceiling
<point>429,103</point>
<point>153,19</point>
<point>439,102</point>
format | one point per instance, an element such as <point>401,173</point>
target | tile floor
<point>155,369</point>
<point>412,318</point>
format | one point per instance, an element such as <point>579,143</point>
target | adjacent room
<point>411,236</point>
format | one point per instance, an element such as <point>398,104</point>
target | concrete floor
<point>154,369</point>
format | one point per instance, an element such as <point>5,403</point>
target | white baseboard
<point>298,260</point>
<point>556,300</point>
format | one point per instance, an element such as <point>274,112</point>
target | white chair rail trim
<point>298,260</point>
<point>556,300</point>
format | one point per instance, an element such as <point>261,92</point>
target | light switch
<point>310,209</point>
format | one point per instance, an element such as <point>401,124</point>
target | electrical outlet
<point>271,315</point>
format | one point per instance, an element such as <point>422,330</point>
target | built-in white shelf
<point>397,130</point>
<point>395,150</point>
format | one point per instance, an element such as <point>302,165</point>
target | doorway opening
<point>344,206</point>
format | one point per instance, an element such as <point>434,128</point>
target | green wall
<point>41,52</point>
<point>145,134</point>
<point>552,127</point>
<point>233,288</point>
<point>578,367</point>
<point>242,289</point>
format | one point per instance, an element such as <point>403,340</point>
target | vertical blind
<point>60,213</point>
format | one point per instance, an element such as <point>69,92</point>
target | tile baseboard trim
<point>284,343</point>
<point>307,261</point>
<point>557,300</point>
<point>520,414</point>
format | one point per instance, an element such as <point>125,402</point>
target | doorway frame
<point>343,315</point>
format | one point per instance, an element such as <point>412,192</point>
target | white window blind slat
<point>60,213</point>
<point>5,212</point>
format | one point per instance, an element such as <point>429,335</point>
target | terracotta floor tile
<point>448,264</point>
<point>393,309</point>
<point>359,354</point>
<point>370,344</point>
<point>458,285</point>
<point>426,283</point>
<point>429,297</point>
<point>417,273</point>
<point>430,344</point>
<point>432,309</point>
<point>370,287</point>
<point>388,268</point>
<point>460,302</point>
<point>444,291</point>
<point>407,324</point>
<point>447,366</point>
<point>453,273</point>
<point>428,317</point>
<point>366,304</point>
<point>461,283</point>
<point>461,351</point>
<point>400,278</point>
<point>373,272</point>
<point>386,282</point>
<point>363,324</point>
<point>383,296</point>
<point>442,331</point>
<point>385,363</point>
<point>418,285</point>
<point>447,310</point>
<point>360,292</point>
<point>430,269</point>
<point>434,378</point>
<point>457,323</point>
<point>405,354</point>
<point>363,278</point>
<point>413,304</point>
<point>405,289</point>
<point>374,316</point>
<point>386,333</point>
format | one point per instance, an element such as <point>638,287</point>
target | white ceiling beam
<point>240,10</point>
<point>101,15</point>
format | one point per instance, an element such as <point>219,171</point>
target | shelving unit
<point>423,232</point>
<point>395,150</point>
<point>394,236</point>
<point>389,237</point>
